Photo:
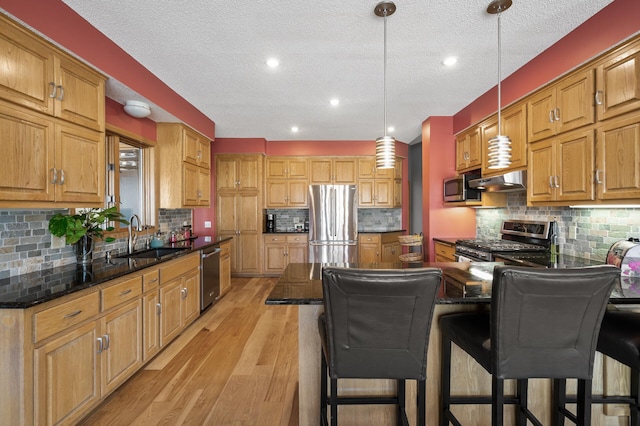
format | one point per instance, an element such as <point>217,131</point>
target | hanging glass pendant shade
<point>499,147</point>
<point>385,145</point>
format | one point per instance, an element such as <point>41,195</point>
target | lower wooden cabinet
<point>69,354</point>
<point>282,249</point>
<point>225,268</point>
<point>379,247</point>
<point>444,252</point>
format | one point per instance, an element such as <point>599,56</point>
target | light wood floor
<point>236,365</point>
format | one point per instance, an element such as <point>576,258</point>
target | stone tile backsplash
<point>368,219</point>
<point>25,240</point>
<point>595,229</point>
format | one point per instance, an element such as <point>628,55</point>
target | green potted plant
<point>82,228</point>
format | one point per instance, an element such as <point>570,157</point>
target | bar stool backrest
<point>545,322</point>
<point>378,321</point>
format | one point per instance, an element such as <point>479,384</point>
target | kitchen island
<point>465,287</point>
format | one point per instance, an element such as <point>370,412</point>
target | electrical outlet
<point>207,224</point>
<point>57,242</point>
<point>573,231</point>
<point>390,220</point>
<point>296,220</point>
<point>207,239</point>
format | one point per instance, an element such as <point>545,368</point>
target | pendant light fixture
<point>385,145</point>
<point>499,146</point>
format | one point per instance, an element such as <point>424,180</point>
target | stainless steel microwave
<point>457,188</point>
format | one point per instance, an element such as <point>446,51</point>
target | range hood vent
<point>508,182</point>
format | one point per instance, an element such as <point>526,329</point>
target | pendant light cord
<point>384,75</point>
<point>499,76</point>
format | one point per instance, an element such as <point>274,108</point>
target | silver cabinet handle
<point>53,92</point>
<point>61,177</point>
<point>54,177</point>
<point>550,181</point>
<point>125,292</point>
<point>158,308</point>
<point>106,341</point>
<point>153,280</point>
<point>199,155</point>
<point>556,114</point>
<point>598,181</point>
<point>184,293</point>
<point>551,119</point>
<point>61,95</point>
<point>73,314</point>
<point>199,193</point>
<point>555,179</point>
<point>598,97</point>
<point>100,344</point>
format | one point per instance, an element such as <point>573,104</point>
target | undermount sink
<point>154,253</point>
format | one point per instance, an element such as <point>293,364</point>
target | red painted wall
<point>613,24</point>
<point>60,23</point>
<point>438,163</point>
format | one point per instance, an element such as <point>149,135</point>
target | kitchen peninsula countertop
<point>27,290</point>
<point>463,283</point>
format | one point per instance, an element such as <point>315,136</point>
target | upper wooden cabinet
<point>618,82</point>
<point>617,173</point>
<point>338,170</point>
<point>514,125</point>
<point>238,172</point>
<point>286,182</point>
<point>561,169</point>
<point>40,76</point>
<point>468,150</point>
<point>367,169</point>
<point>564,106</point>
<point>287,168</point>
<point>185,178</point>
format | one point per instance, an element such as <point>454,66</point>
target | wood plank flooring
<point>236,365</point>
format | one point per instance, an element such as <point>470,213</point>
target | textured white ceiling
<point>213,52</point>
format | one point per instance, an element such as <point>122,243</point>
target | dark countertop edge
<point>448,240</point>
<point>381,232</point>
<point>440,301</point>
<point>197,245</point>
<point>285,232</point>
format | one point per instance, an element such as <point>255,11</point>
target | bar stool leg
<point>558,401</point>
<point>634,415</point>
<point>584,402</point>
<point>323,389</point>
<point>445,380</point>
<point>334,402</point>
<point>422,402</point>
<point>522,396</point>
<point>497,401</point>
<point>401,395</point>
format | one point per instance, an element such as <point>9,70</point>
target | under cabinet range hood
<point>508,182</point>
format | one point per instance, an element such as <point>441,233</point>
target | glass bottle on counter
<point>555,247</point>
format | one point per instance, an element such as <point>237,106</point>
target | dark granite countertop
<point>379,231</point>
<point>463,283</point>
<point>27,290</point>
<point>447,240</point>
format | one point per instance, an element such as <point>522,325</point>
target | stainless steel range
<point>517,237</point>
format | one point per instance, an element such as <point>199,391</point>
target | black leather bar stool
<point>543,324</point>
<point>620,339</point>
<point>376,326</point>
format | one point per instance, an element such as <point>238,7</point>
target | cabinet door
<point>366,168</point>
<point>575,101</point>
<point>276,193</point>
<point>366,193</point>
<point>195,149</point>
<point>250,173</point>
<point>618,84</point>
<point>190,297</point>
<point>67,379</point>
<point>298,253</point>
<point>32,61</point>
<point>28,151</point>
<point>345,171</point>
<point>542,159</point>
<point>320,171</point>
<point>383,192</point>
<point>249,252</point>
<point>274,257</point>
<point>298,168</point>
<point>475,149</point>
<point>227,214</point>
<point>574,166</point>
<point>226,173</point>
<point>618,159</point>
<point>514,125</point>
<point>151,325</point>
<point>170,314</point>
<point>122,345</point>
<point>390,252</point>
<point>368,253</point>
<point>80,161</point>
<point>225,268</point>
<point>540,118</point>
<point>204,187</point>
<point>190,191</point>
<point>397,193</point>
<point>276,168</point>
<point>298,193</point>
<point>80,97</point>
<point>461,152</point>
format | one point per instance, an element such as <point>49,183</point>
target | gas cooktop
<point>500,245</point>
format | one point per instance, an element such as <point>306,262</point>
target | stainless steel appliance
<point>333,224</point>
<point>271,223</point>
<point>625,254</point>
<point>508,182</point>
<point>457,188</point>
<point>209,277</point>
<point>518,238</point>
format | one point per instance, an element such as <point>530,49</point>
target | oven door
<point>466,258</point>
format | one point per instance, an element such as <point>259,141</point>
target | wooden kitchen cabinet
<point>514,125</point>
<point>563,106</point>
<point>617,173</point>
<point>239,217</point>
<point>367,169</point>
<point>287,182</point>
<point>46,79</point>
<point>379,247</point>
<point>225,268</point>
<point>444,252</point>
<point>337,170</point>
<point>238,173</point>
<point>184,167</point>
<point>282,249</point>
<point>618,82</point>
<point>296,168</point>
<point>376,193</point>
<point>150,314</point>
<point>468,150</point>
<point>561,169</point>
<point>49,161</point>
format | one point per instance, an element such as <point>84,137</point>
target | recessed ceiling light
<point>294,129</point>
<point>450,61</point>
<point>391,129</point>
<point>335,102</point>
<point>273,62</point>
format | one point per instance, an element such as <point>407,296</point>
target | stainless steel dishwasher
<point>209,277</point>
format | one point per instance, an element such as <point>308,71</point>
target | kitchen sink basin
<point>155,253</point>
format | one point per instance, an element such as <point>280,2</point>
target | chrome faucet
<point>133,234</point>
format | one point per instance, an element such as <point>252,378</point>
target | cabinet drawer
<point>297,239</point>
<point>124,291</point>
<point>175,268</point>
<point>370,238</point>
<point>225,249</point>
<point>55,319</point>
<point>274,239</point>
<point>445,250</point>
<point>150,280</point>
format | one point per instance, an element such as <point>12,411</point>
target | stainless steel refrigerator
<point>333,224</point>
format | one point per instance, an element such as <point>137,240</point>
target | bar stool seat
<point>543,323</point>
